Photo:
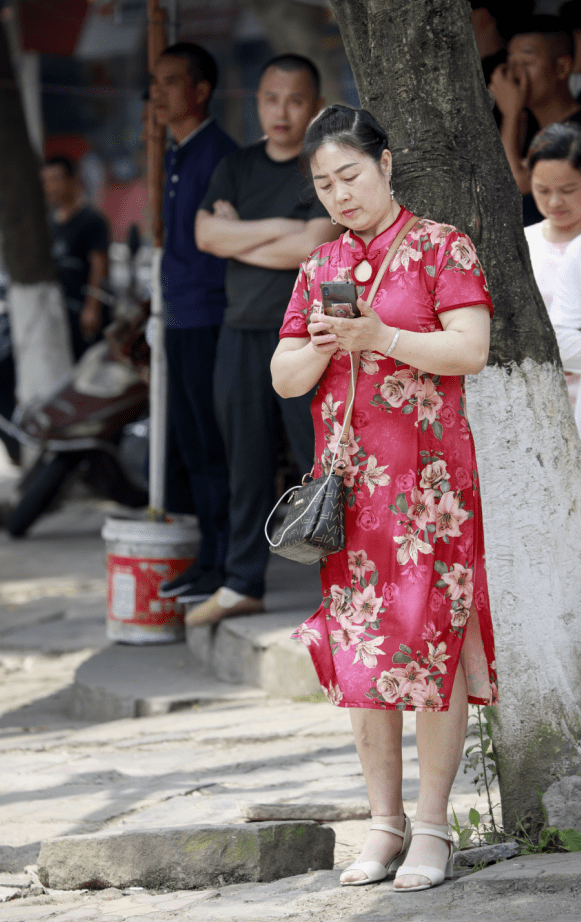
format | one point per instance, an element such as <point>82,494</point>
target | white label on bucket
<point>123,596</point>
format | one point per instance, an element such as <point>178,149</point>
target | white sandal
<point>435,875</point>
<point>375,870</point>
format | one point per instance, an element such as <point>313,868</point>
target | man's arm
<point>91,313</point>
<point>510,92</point>
<point>230,237</point>
<point>289,252</point>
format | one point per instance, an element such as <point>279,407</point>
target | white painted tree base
<point>529,458</point>
<point>40,338</point>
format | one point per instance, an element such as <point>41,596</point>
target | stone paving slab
<point>318,897</point>
<point>124,680</point>
<point>16,617</point>
<point>191,857</point>
<point>257,649</point>
<point>59,635</point>
<point>200,765</point>
<point>538,872</point>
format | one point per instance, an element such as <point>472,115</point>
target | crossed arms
<point>273,243</point>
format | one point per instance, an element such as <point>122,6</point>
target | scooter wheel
<point>42,488</point>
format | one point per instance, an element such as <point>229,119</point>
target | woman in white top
<point>555,164</point>
<point>567,315</point>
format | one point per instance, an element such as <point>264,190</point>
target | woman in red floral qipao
<point>405,620</point>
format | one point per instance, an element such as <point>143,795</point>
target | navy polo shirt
<point>193,282</point>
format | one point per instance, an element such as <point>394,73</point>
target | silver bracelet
<point>393,343</point>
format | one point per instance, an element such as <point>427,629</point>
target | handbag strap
<point>356,356</point>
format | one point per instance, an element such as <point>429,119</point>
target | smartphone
<point>339,299</point>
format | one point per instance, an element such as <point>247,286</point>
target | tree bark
<point>417,70</point>
<point>40,334</point>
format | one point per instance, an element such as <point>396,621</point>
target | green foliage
<point>551,838</point>
<point>480,757</point>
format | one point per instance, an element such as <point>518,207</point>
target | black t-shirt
<point>531,214</point>
<point>259,187</point>
<point>72,241</point>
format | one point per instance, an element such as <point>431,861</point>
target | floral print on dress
<point>361,469</point>
<point>408,594</point>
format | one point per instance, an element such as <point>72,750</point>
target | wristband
<point>393,343</point>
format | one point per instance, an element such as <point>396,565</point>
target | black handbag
<point>320,530</point>
<point>313,527</point>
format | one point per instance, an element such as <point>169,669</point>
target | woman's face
<point>556,187</point>
<point>353,188</point>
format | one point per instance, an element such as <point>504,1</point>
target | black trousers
<point>247,408</point>
<point>191,355</point>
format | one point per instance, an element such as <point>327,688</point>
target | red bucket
<point>140,555</point>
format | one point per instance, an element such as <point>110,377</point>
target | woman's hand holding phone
<point>358,334</point>
<point>322,340</point>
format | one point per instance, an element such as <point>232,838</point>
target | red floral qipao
<point>408,596</point>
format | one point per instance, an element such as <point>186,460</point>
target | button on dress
<point>408,597</point>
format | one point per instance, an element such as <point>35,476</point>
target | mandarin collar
<point>379,244</point>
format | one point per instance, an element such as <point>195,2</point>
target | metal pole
<point>158,376</point>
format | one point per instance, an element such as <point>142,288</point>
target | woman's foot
<point>431,849</point>
<point>379,851</point>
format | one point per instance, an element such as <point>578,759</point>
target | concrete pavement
<point>210,762</point>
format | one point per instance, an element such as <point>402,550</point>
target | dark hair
<point>497,8</point>
<point>554,30</point>
<point>560,141</point>
<point>570,13</point>
<point>65,162</point>
<point>345,126</point>
<point>201,64</point>
<point>507,15</point>
<point>294,62</point>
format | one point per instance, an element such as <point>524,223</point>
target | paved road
<point>199,765</point>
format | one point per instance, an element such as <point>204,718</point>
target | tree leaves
<point>474,817</point>
<point>570,839</point>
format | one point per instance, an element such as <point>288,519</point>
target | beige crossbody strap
<point>376,283</point>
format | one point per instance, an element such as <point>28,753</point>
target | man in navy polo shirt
<point>193,284</point>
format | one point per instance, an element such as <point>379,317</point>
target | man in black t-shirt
<point>494,22</point>
<point>80,238</point>
<point>533,82</point>
<point>260,214</point>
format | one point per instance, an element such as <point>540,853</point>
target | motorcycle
<point>81,425</point>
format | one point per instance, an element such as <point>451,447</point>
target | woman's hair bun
<point>346,126</point>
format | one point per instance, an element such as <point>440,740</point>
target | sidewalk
<point>206,763</point>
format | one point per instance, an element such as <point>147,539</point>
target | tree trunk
<point>417,70</point>
<point>40,334</point>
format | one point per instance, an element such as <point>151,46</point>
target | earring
<point>333,219</point>
<point>392,193</point>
